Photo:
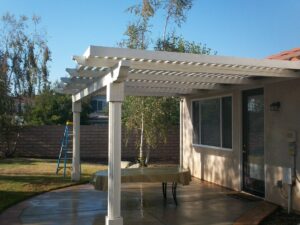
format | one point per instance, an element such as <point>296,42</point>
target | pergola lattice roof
<point>152,73</point>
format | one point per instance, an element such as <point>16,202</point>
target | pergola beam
<point>200,78</point>
<point>172,91</point>
<point>179,85</point>
<point>224,69</point>
<point>133,92</point>
<point>117,74</point>
<point>122,53</point>
<point>160,92</point>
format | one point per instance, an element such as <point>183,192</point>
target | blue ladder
<point>65,152</point>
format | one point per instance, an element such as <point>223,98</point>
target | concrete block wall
<point>44,141</point>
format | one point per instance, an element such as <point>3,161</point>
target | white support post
<point>181,133</point>
<point>115,97</point>
<point>75,174</point>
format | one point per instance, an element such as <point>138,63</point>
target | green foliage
<point>26,54</point>
<point>51,108</point>
<point>138,32</point>
<point>175,10</point>
<point>137,35</point>
<point>174,43</point>
<point>5,98</point>
<point>24,57</point>
<point>8,122</point>
<point>158,113</point>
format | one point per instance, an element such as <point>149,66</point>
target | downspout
<point>292,152</point>
<point>181,133</point>
<point>293,175</point>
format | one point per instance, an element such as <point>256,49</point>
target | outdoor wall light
<point>275,106</point>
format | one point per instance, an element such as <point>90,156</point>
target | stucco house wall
<point>276,146</point>
<point>224,167</point>
<point>214,165</point>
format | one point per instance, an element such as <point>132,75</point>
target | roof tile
<point>292,55</point>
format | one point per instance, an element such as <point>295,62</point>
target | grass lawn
<point>21,178</point>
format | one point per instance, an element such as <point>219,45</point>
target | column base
<point>75,176</point>
<point>115,221</point>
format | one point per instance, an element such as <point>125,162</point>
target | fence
<point>44,142</point>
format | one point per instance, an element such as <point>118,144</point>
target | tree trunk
<point>147,156</point>
<point>165,32</point>
<point>11,139</point>
<point>141,155</point>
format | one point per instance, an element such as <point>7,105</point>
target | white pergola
<point>117,72</point>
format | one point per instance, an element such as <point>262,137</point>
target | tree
<point>27,54</point>
<point>51,108</point>
<point>175,10</point>
<point>24,57</point>
<point>8,122</point>
<point>174,43</point>
<point>137,32</point>
<point>149,118</point>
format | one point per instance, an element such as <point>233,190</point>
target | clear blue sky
<point>253,28</point>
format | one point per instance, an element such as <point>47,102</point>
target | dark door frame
<point>245,94</point>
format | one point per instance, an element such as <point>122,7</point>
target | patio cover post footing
<point>115,221</point>
<point>75,174</point>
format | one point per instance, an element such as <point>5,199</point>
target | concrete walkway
<point>142,204</point>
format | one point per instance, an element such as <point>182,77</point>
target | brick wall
<point>44,141</point>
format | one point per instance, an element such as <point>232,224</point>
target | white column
<point>115,97</point>
<point>75,174</point>
<point>181,133</point>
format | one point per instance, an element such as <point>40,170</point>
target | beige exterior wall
<point>224,167</point>
<point>219,166</point>
<point>276,146</point>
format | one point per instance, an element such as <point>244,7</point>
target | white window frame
<point>221,123</point>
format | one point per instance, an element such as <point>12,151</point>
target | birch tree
<point>149,118</point>
<point>176,11</point>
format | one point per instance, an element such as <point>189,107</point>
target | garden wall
<point>44,142</point>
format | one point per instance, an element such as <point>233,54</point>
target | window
<point>98,105</point>
<point>212,122</point>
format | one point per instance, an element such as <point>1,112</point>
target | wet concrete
<point>142,204</point>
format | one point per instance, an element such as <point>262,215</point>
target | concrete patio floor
<point>142,204</point>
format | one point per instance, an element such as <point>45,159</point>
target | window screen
<point>212,122</point>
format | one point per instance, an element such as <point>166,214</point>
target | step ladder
<point>66,152</point>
